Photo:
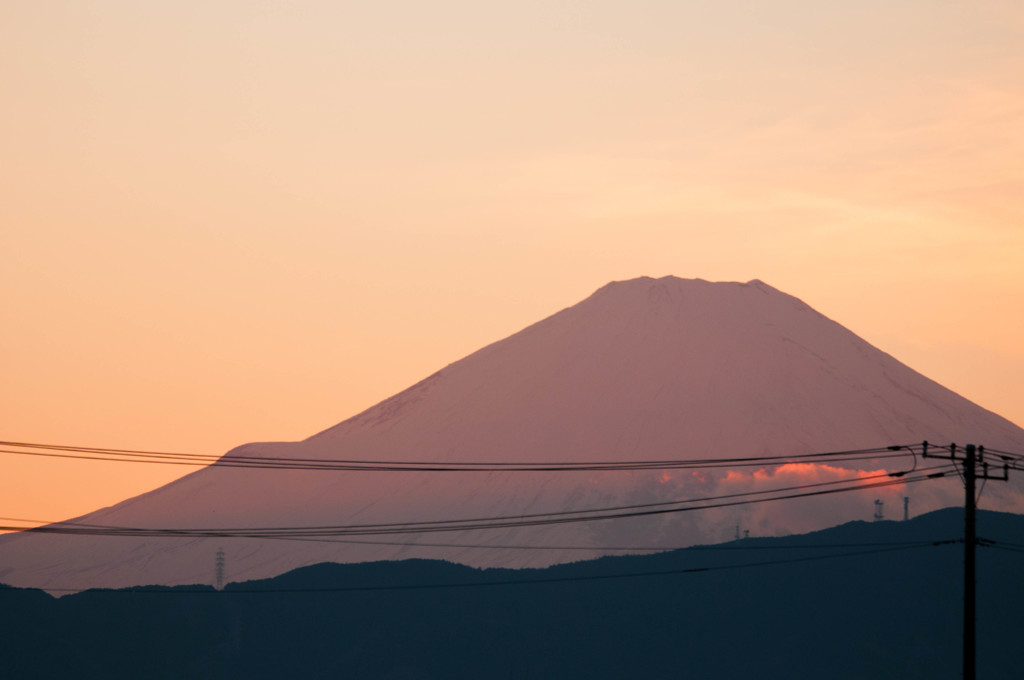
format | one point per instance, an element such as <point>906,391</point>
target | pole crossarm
<point>960,455</point>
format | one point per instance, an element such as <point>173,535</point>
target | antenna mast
<point>219,570</point>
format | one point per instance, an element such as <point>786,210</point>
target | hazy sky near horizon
<point>236,221</point>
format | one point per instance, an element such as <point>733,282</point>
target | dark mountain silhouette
<point>891,613</point>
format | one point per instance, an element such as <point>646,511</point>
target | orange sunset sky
<point>236,221</point>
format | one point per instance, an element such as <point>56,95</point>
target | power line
<point>559,513</point>
<point>270,462</point>
<point>510,582</point>
<point>605,548</point>
<point>1013,461</point>
<point>332,533</point>
<point>1003,548</point>
<point>498,522</point>
<point>1011,454</point>
<point>1001,545</point>
<point>345,466</point>
<point>493,546</point>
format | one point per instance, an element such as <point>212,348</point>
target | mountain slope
<point>640,370</point>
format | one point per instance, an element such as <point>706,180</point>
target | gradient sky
<point>236,221</point>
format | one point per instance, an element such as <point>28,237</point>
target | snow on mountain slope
<point>642,369</point>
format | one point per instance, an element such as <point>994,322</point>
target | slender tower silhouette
<point>219,570</point>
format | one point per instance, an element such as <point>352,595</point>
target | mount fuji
<point>642,369</point>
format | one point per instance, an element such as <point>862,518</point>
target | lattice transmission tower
<point>218,570</point>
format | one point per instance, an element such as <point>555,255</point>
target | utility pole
<point>973,457</point>
<point>970,541</point>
